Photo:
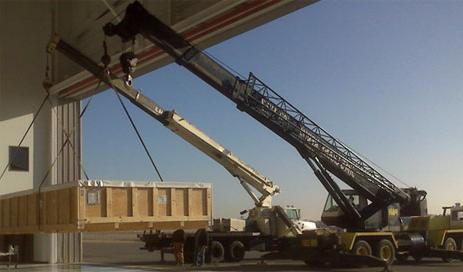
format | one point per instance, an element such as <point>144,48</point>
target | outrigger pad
<point>443,253</point>
<point>330,258</point>
<point>359,260</point>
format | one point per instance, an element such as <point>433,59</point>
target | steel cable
<point>138,135</point>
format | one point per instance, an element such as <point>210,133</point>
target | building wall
<point>22,66</point>
<point>26,29</point>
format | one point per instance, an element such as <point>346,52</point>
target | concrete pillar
<point>66,124</point>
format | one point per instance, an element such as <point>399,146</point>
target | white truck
<point>231,238</point>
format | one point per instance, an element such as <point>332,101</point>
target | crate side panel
<point>6,213</point>
<point>144,202</point>
<point>121,202</point>
<point>73,205</point>
<point>198,202</point>
<point>22,220</point>
<point>163,202</point>
<point>14,206</point>
<point>64,206</point>
<point>94,202</point>
<point>51,205</point>
<point>32,212</point>
<point>181,201</point>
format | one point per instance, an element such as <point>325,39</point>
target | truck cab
<point>294,214</point>
<point>456,215</point>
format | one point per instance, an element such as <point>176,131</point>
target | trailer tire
<point>450,244</point>
<point>217,252</point>
<point>236,251</point>
<point>362,247</point>
<point>386,251</point>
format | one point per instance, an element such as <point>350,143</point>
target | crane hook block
<point>128,62</point>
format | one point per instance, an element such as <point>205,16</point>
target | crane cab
<point>332,214</point>
<point>387,218</point>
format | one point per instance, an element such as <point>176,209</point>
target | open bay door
<point>23,63</point>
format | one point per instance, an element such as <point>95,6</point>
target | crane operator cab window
<point>331,205</point>
<point>293,213</point>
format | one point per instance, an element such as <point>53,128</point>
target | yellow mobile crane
<point>382,224</point>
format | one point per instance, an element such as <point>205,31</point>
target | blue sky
<point>383,77</point>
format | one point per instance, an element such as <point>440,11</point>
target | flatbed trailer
<point>228,246</point>
<point>310,247</point>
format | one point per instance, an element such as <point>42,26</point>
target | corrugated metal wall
<point>66,148</point>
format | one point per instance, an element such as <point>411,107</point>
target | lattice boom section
<point>310,134</point>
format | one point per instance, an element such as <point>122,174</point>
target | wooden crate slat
<point>80,207</point>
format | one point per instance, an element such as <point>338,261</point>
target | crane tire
<point>217,252</point>
<point>386,251</point>
<point>450,244</point>
<point>236,251</point>
<point>362,247</point>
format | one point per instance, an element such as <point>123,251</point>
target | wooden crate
<point>106,206</point>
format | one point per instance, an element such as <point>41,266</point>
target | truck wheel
<point>386,251</point>
<point>217,252</point>
<point>450,244</point>
<point>236,251</point>
<point>362,247</point>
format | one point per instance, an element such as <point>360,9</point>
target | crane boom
<point>249,178</point>
<point>324,153</point>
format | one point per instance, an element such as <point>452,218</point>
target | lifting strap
<point>138,135</point>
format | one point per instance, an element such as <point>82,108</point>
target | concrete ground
<point>123,255</point>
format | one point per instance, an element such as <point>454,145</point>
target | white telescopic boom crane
<point>249,178</point>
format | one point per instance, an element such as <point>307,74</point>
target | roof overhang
<point>216,23</point>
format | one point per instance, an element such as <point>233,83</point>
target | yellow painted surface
<point>392,211</point>
<point>309,242</point>
<point>348,239</point>
<point>418,223</point>
<point>436,238</point>
<point>439,222</point>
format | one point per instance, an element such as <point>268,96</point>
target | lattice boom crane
<point>324,153</point>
